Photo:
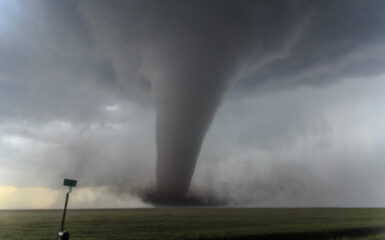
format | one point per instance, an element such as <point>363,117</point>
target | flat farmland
<point>196,223</point>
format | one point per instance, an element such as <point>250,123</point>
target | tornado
<point>185,108</point>
<point>189,53</point>
<point>191,61</point>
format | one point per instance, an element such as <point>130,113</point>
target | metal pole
<point>64,212</point>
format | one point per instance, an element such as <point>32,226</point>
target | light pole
<point>69,183</point>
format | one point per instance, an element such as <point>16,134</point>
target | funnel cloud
<point>202,58</point>
<point>205,45</point>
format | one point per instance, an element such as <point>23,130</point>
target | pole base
<point>64,235</point>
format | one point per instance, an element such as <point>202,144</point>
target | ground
<point>196,223</point>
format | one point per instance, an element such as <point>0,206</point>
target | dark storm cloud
<point>341,40</point>
<point>47,51</point>
<point>50,46</point>
<point>48,68</point>
<point>79,61</point>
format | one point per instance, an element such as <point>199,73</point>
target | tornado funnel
<point>187,91</point>
<point>181,125</point>
<point>190,61</point>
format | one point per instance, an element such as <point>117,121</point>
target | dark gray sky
<point>301,86</point>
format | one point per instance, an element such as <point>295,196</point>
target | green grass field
<point>196,223</point>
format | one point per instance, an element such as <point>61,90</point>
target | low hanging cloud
<point>79,80</point>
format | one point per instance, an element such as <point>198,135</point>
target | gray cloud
<point>50,46</point>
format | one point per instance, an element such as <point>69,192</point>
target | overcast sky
<point>301,120</point>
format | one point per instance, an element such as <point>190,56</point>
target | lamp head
<point>69,183</point>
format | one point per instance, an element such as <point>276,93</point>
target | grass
<point>196,223</point>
